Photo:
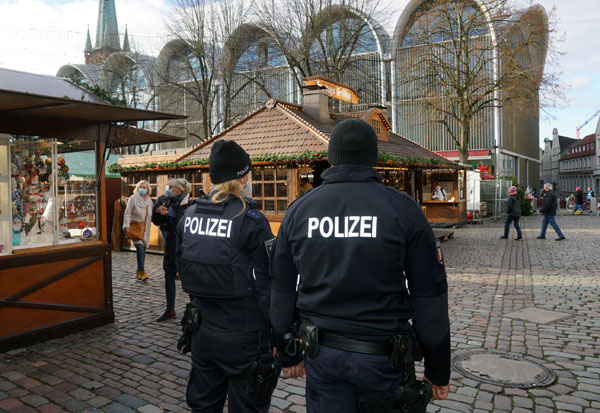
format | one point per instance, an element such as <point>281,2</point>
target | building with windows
<point>578,165</point>
<point>554,149</point>
<point>251,68</point>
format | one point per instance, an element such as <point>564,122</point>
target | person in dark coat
<point>579,201</point>
<point>513,213</point>
<point>549,207</point>
<point>167,211</point>
<point>356,260</point>
<point>223,244</point>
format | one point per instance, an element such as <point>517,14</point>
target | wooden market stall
<point>55,261</point>
<point>288,146</point>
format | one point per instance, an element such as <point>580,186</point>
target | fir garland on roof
<point>384,158</point>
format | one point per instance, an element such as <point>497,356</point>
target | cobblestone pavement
<point>132,365</point>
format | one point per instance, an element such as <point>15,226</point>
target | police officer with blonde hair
<point>359,260</point>
<point>223,243</point>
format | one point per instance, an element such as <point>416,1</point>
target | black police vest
<point>212,264</point>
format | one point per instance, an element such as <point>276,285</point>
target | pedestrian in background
<point>549,207</point>
<point>513,213</point>
<point>138,214</point>
<point>579,201</point>
<point>167,211</point>
<point>591,197</point>
<point>225,269</point>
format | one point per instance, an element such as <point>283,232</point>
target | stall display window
<point>442,178</point>
<point>51,203</point>
<point>394,178</point>
<point>5,201</point>
<point>33,192</point>
<point>270,189</point>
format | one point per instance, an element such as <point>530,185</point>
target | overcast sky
<point>40,36</point>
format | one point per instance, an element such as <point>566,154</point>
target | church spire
<point>88,42</point>
<point>107,31</point>
<point>126,47</point>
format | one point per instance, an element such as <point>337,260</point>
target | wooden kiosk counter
<point>55,260</point>
<point>288,146</point>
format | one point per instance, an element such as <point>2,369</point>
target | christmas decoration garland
<point>384,159</point>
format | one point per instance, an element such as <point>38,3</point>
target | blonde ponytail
<point>223,190</point>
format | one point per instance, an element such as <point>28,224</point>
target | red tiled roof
<point>281,128</point>
<point>582,152</point>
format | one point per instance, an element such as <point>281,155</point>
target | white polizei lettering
<point>337,233</point>
<point>329,222</point>
<point>346,227</point>
<point>222,228</point>
<point>192,224</point>
<point>364,227</point>
<point>374,232</point>
<point>313,223</point>
<point>211,227</point>
<point>213,223</point>
<point>353,227</point>
<point>355,220</point>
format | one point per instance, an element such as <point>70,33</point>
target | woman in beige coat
<point>139,209</point>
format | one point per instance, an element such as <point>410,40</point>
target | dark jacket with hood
<point>549,205</point>
<point>513,206</point>
<point>579,197</point>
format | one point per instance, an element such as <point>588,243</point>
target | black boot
<point>504,237</point>
<point>169,313</point>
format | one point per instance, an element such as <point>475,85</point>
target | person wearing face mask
<point>167,211</point>
<point>223,245</point>
<point>138,209</point>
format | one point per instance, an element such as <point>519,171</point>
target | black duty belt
<point>357,346</point>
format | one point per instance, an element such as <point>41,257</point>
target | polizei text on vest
<point>211,227</point>
<point>343,227</point>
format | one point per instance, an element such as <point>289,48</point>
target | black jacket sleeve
<point>285,279</point>
<point>428,295</point>
<point>158,219</point>
<point>547,202</point>
<point>255,233</point>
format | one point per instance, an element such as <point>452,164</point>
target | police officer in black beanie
<point>223,244</point>
<point>368,262</point>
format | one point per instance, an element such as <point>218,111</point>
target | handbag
<point>137,230</point>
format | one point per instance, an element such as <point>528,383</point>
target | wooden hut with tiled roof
<point>288,146</point>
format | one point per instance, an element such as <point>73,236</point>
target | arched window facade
<point>346,33</point>
<point>260,71</point>
<point>424,45</point>
<point>129,77</point>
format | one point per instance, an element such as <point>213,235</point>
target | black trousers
<point>337,380</point>
<point>219,357</point>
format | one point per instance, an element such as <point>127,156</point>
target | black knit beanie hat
<point>353,142</point>
<point>228,161</point>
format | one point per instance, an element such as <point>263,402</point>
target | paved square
<point>132,365</point>
<point>537,315</point>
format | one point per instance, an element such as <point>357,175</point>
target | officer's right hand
<point>438,392</point>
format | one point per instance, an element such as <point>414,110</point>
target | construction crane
<point>586,122</point>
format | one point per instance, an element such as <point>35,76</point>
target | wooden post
<point>101,222</point>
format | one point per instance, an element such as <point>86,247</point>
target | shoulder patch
<point>254,214</point>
